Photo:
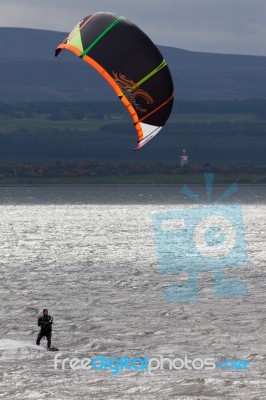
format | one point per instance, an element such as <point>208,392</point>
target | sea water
<point>89,255</point>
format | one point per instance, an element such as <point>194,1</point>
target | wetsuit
<point>46,329</point>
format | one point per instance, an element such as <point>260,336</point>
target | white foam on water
<point>9,344</point>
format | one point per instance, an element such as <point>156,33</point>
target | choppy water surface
<point>88,254</point>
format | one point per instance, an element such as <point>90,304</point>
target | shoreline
<point>125,183</point>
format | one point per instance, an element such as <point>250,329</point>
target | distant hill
<point>29,71</point>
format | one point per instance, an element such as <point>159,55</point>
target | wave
<point>9,344</point>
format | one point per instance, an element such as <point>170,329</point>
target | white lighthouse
<point>183,158</point>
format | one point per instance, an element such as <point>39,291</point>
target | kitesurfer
<point>45,322</point>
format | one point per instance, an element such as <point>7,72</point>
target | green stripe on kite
<point>157,69</point>
<point>101,36</point>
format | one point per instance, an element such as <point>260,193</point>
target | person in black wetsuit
<point>45,322</point>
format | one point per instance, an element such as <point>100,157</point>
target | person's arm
<point>50,322</point>
<point>47,324</point>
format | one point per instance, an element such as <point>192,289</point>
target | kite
<point>132,65</point>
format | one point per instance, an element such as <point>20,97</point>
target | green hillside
<point>222,133</point>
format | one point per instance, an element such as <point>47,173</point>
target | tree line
<point>223,143</point>
<point>78,110</point>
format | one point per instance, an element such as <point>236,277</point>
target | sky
<point>217,26</point>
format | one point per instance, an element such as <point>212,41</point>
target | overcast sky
<point>220,26</point>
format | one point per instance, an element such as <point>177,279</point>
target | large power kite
<point>130,62</point>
